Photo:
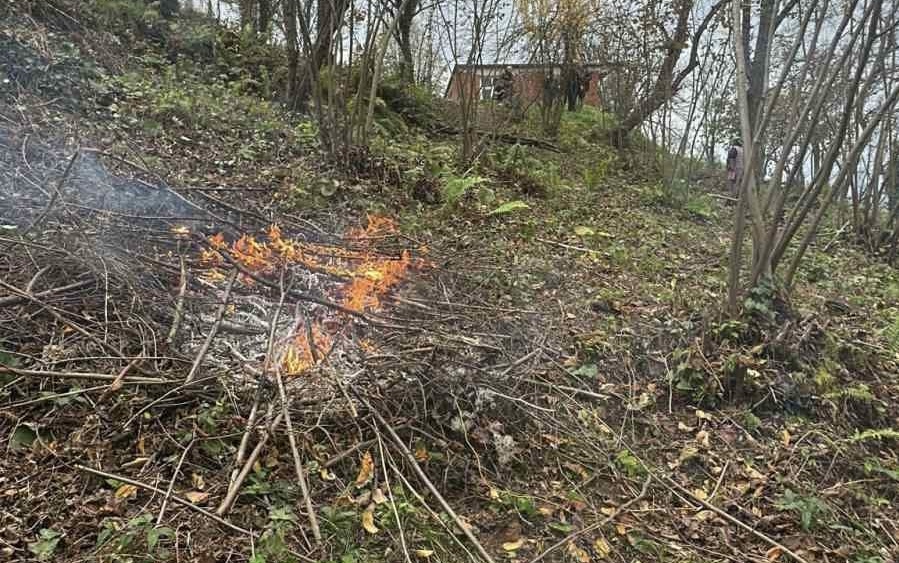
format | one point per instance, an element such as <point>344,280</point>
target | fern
<point>455,187</point>
<point>861,393</point>
<point>872,434</point>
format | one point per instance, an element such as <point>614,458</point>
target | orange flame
<point>370,276</point>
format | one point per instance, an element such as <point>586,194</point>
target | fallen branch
<point>179,500</point>
<point>168,492</point>
<point>427,482</point>
<point>86,375</point>
<point>597,525</point>
<point>220,314</point>
<point>234,488</point>
<point>297,461</point>
<point>179,304</point>
<point>16,299</point>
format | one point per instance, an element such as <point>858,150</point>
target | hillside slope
<point>521,362</point>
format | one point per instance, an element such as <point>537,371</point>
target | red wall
<point>528,85</point>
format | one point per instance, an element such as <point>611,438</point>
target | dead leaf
<point>700,494</point>
<point>125,491</point>
<point>702,415</point>
<point>196,497</point>
<point>368,522</point>
<point>703,438</point>
<point>366,470</point>
<point>578,554</point>
<point>684,428</point>
<point>377,496</point>
<point>421,453</point>
<point>785,438</point>
<point>773,554</point>
<point>424,553</point>
<point>621,529</point>
<point>602,548</point>
<point>326,474</point>
<point>197,480</point>
<point>608,510</point>
<point>513,545</point>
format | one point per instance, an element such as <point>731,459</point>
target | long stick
<point>220,314</point>
<point>427,482</point>
<point>168,492</point>
<point>297,462</point>
<point>179,304</point>
<point>285,411</point>
<point>248,466</point>
<point>179,500</point>
<point>16,299</point>
<point>85,375</point>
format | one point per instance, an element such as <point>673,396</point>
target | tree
<point>667,82</point>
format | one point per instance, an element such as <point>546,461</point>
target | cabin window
<point>487,83</point>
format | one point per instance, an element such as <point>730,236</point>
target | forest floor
<point>544,350</point>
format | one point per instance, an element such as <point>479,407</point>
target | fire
<point>366,277</point>
<point>299,356</point>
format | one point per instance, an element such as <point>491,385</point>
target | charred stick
<point>213,330</point>
<point>179,304</point>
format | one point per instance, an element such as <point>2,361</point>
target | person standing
<point>735,167</point>
<point>502,91</point>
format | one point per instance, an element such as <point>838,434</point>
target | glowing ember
<point>366,276</point>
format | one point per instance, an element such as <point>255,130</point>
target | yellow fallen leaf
<point>377,496</point>
<point>368,522</point>
<point>326,474</point>
<point>424,553</point>
<point>621,529</point>
<point>773,554</point>
<point>125,491</point>
<point>602,548</point>
<point>700,494</point>
<point>198,481</point>
<point>494,494</point>
<point>702,415</point>
<point>196,497</point>
<point>578,554</point>
<point>785,437</point>
<point>702,437</point>
<point>421,453</point>
<point>608,510</point>
<point>513,545</point>
<point>366,470</point>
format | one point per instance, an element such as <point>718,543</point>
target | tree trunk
<point>662,89</point>
<point>264,19</point>
<point>290,37</point>
<point>404,40</point>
